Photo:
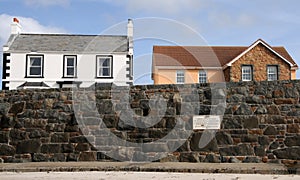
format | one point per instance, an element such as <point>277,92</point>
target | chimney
<point>130,36</point>
<point>15,26</point>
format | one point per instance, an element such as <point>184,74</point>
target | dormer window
<point>35,65</point>
<point>70,66</point>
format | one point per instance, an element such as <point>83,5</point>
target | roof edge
<point>259,41</point>
<point>64,34</point>
<point>9,42</point>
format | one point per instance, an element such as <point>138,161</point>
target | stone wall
<point>260,123</point>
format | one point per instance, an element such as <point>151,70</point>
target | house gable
<point>260,57</point>
<point>261,42</point>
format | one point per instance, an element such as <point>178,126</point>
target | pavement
<point>122,175</point>
<point>174,167</point>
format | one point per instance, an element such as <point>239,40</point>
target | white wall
<point>53,69</point>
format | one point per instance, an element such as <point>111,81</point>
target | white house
<point>64,60</point>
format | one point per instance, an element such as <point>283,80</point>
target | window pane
<point>180,76</point>
<point>272,73</point>
<point>202,76</point>
<point>105,72</point>
<point>272,77</point>
<point>203,73</point>
<point>35,71</point>
<point>70,61</point>
<point>246,69</point>
<point>70,71</point>
<point>34,66</point>
<point>246,73</point>
<point>246,77</point>
<point>35,61</point>
<point>104,67</point>
<point>180,79</point>
<point>271,69</point>
<point>180,73</point>
<point>105,62</point>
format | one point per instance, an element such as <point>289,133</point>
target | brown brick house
<point>201,64</point>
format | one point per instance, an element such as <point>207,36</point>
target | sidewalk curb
<point>238,168</point>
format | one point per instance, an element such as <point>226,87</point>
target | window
<point>34,66</point>
<point>70,66</point>
<point>246,73</point>
<point>272,73</point>
<point>180,77</point>
<point>202,76</point>
<point>104,66</point>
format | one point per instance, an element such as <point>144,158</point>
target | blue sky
<point>216,22</point>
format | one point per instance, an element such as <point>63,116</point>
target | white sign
<point>206,122</point>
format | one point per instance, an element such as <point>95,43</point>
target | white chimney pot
<point>15,27</point>
<point>130,35</point>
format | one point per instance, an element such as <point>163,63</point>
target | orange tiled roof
<point>203,56</point>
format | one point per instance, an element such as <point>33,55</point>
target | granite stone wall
<point>261,123</point>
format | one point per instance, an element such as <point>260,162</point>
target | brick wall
<point>260,123</point>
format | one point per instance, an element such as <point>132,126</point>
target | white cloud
<point>45,3</point>
<point>29,25</point>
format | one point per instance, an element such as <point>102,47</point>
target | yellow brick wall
<point>163,76</point>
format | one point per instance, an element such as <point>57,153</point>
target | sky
<point>162,22</point>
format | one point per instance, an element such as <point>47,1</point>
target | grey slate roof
<point>69,43</point>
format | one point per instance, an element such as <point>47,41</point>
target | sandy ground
<point>140,176</point>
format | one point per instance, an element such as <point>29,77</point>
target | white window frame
<point>274,74</point>
<point>66,66</point>
<point>99,66</point>
<point>29,66</point>
<point>202,76</point>
<point>250,73</point>
<point>180,77</point>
